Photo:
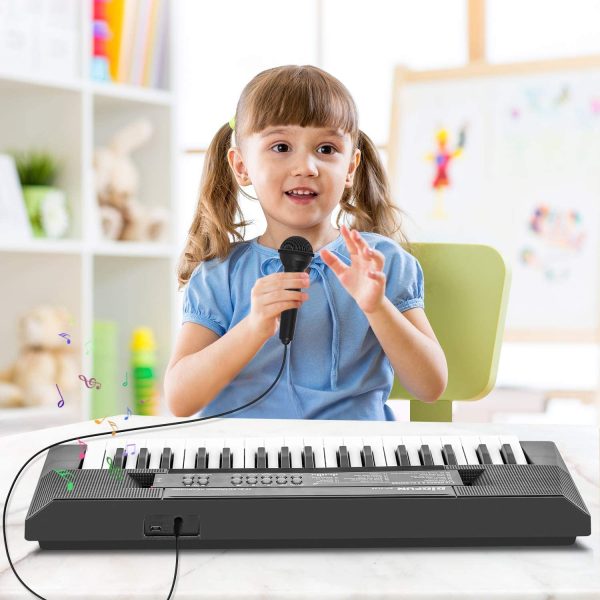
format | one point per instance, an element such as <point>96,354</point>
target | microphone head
<point>295,253</point>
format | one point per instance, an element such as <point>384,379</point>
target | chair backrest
<point>466,297</point>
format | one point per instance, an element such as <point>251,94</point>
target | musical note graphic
<point>128,413</point>
<point>82,450</point>
<point>61,402</point>
<point>114,427</point>
<point>124,384</point>
<point>65,474</point>
<point>112,470</point>
<point>133,451</point>
<point>98,421</point>
<point>91,382</point>
<point>66,336</point>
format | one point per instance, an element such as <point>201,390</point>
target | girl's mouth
<point>301,198</point>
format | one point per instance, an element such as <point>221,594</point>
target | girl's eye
<point>330,148</point>
<point>280,146</point>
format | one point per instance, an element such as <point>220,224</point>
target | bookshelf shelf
<point>130,283</point>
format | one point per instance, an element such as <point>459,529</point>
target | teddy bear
<point>117,184</point>
<point>45,361</point>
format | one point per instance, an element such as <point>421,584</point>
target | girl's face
<point>282,161</point>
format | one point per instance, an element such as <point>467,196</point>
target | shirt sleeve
<point>404,278</point>
<point>207,299</point>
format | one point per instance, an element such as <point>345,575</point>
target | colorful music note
<point>98,421</point>
<point>112,470</point>
<point>66,336</point>
<point>82,450</point>
<point>128,413</point>
<point>133,451</point>
<point>91,382</point>
<point>124,384</point>
<point>61,402</point>
<point>114,427</point>
<point>65,474</point>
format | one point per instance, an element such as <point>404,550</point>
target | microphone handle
<point>287,322</point>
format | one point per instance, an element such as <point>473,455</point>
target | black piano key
<point>143,459</point>
<point>308,458</point>
<point>507,454</point>
<point>368,460</point>
<point>402,456</point>
<point>202,459</point>
<point>119,459</point>
<point>448,455</point>
<point>483,455</point>
<point>226,458</point>
<point>425,456</point>
<point>343,458</point>
<point>285,461</point>
<point>166,458</point>
<point>261,458</point>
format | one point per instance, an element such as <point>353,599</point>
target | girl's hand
<point>364,279</point>
<point>270,296</point>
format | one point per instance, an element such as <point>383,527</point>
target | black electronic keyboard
<point>306,492</point>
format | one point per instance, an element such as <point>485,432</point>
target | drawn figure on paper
<point>441,159</point>
<point>558,239</point>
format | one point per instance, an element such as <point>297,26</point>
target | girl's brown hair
<point>289,95</point>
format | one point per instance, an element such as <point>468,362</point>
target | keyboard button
<point>402,456</point>
<point>448,454</point>
<point>261,457</point>
<point>454,442</point>
<point>284,458</point>
<point>308,458</point>
<point>343,458</point>
<point>119,459</point>
<point>377,449</point>
<point>331,446</point>
<point>273,446</point>
<point>226,459</point>
<point>355,446</point>
<point>483,455</point>
<point>515,445</point>
<point>425,456</point>
<point>94,455</point>
<point>508,455</point>
<point>435,447</point>
<point>413,444</point>
<point>367,456</point>
<point>202,459</point>
<point>143,458</point>
<point>166,458</point>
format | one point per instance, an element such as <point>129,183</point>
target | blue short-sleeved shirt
<point>336,367</point>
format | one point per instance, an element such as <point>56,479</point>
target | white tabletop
<point>423,573</point>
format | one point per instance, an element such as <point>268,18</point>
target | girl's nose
<point>305,165</point>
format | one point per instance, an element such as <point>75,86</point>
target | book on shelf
<point>137,42</point>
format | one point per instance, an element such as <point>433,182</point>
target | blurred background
<point>107,108</point>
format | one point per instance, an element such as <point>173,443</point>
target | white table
<point>514,572</point>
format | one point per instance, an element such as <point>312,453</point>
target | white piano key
<point>251,446</point>
<point>236,445</point>
<point>413,444</point>
<point>332,445</point>
<point>273,447</point>
<point>155,448</point>
<point>318,450</point>
<point>132,449</point>
<point>469,444</point>
<point>354,445</point>
<point>377,448</point>
<point>454,441</point>
<point>514,443</point>
<point>295,444</point>
<point>94,455</point>
<point>177,446</point>
<point>111,448</point>
<point>214,447</point>
<point>435,446</point>
<point>493,444</point>
<point>390,443</point>
<point>191,449</point>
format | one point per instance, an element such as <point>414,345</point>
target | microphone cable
<point>178,520</point>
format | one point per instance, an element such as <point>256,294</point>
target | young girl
<point>295,139</point>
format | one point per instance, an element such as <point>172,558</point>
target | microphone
<point>295,254</point>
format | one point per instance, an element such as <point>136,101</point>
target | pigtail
<point>369,203</point>
<point>214,227</point>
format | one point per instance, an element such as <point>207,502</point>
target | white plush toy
<point>117,186</point>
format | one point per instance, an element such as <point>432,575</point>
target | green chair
<point>466,296</point>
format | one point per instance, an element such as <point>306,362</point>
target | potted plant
<point>46,205</point>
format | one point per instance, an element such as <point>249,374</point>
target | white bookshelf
<point>133,284</point>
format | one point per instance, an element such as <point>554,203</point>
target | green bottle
<point>143,366</point>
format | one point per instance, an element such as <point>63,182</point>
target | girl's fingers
<point>333,262</point>
<point>348,238</point>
